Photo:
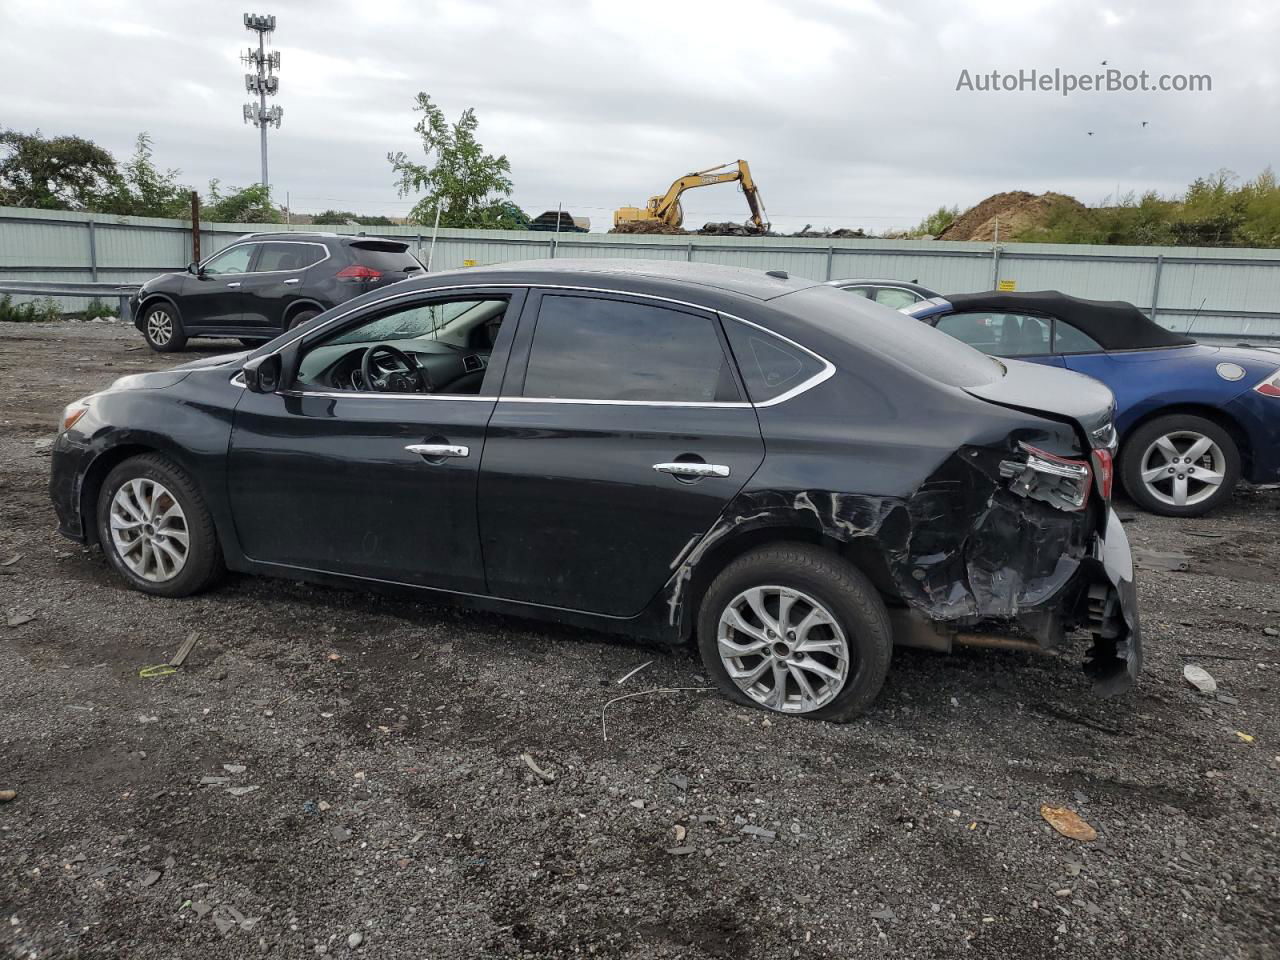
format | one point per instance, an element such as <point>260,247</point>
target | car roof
<point>1114,324</point>
<point>739,281</point>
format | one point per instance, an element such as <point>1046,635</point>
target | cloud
<point>847,109</point>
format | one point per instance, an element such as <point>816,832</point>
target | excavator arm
<point>666,207</point>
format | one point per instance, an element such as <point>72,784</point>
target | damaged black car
<point>741,460</point>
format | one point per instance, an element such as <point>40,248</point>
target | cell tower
<point>263,81</point>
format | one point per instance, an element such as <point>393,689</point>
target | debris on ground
<point>1199,678</point>
<point>11,561</point>
<point>1016,211</point>
<point>541,774</point>
<point>1068,823</point>
<point>1168,561</point>
<point>8,795</point>
<point>18,619</point>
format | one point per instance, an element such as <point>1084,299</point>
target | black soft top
<point>1113,323</point>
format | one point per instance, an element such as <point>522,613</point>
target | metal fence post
<point>1155,286</point>
<point>688,252</point>
<point>124,308</point>
<point>93,251</point>
<point>831,255</point>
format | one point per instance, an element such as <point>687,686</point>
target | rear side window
<point>858,291</point>
<point>386,256</point>
<point>1000,334</point>
<point>288,256</point>
<point>1069,339</point>
<point>895,297</point>
<point>588,348</point>
<point>769,366</point>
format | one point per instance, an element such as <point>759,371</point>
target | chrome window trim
<point>375,395</point>
<point>827,372</point>
<point>263,273</point>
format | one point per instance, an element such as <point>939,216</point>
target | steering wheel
<point>412,380</point>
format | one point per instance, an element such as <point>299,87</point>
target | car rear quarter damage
<point>969,552</point>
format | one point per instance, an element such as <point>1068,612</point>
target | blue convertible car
<point>1193,418</point>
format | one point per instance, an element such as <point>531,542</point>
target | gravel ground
<point>334,773</point>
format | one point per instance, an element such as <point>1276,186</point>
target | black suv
<point>263,284</point>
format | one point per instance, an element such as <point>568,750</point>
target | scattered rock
<point>18,619</point>
<point>1271,631</point>
<point>233,768</point>
<point>762,832</point>
<point>1199,678</point>
<point>6,796</point>
<point>149,878</point>
<point>355,940</point>
<point>886,914</point>
<point>341,834</point>
<point>241,791</point>
<point>681,851</point>
<point>638,804</point>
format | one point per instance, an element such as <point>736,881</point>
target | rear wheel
<point>301,317</point>
<point>162,328</point>
<point>1180,465</point>
<point>797,630</point>
<point>155,529</point>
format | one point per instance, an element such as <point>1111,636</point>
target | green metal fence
<point>1222,293</point>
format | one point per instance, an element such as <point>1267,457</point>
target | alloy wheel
<point>149,530</point>
<point>159,327</point>
<point>1183,468</point>
<point>783,649</point>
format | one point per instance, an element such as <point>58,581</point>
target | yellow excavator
<point>665,209</point>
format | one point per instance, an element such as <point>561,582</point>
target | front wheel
<point>155,529</point>
<point>1180,465</point>
<point>797,630</point>
<point>162,328</point>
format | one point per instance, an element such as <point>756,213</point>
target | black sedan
<point>759,464</point>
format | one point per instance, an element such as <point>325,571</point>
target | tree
<point>346,216</point>
<point>936,222</point>
<point>143,191</point>
<point>250,204</point>
<point>467,184</point>
<point>58,173</point>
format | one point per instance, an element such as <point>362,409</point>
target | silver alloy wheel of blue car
<point>783,649</point>
<point>159,326</point>
<point>149,530</point>
<point>1183,468</point>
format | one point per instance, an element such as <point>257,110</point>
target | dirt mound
<point>1016,211</point>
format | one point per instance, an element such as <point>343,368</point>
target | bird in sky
<point>1144,122</point>
<point>1090,132</point>
<point>1104,63</point>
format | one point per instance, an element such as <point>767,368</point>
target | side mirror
<point>193,268</point>
<point>262,374</point>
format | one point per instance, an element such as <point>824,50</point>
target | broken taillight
<point>1058,481</point>
<point>1270,387</point>
<point>1104,464</point>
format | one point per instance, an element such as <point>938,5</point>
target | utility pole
<point>263,82</point>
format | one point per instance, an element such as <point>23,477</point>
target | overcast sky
<point>847,109</point>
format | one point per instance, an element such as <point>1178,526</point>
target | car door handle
<point>693,469</point>
<point>432,450</point>
<point>234,284</point>
<point>294,280</point>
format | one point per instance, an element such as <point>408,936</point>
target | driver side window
<point>433,347</point>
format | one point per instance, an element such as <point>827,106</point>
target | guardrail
<point>121,292</point>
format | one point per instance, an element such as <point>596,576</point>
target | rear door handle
<point>439,450</point>
<point>693,469</point>
<point>235,283</point>
<point>294,280</point>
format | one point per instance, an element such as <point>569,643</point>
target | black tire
<point>1159,495</point>
<point>253,343</point>
<point>203,564</point>
<point>839,587</point>
<point>301,317</point>
<point>158,318</point>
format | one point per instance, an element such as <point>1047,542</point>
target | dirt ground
<point>333,768</point>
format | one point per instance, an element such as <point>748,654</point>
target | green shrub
<point>34,311</point>
<point>96,310</point>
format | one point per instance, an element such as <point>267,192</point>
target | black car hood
<point>1050,391</point>
<point>221,360</point>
